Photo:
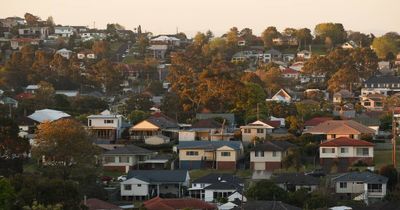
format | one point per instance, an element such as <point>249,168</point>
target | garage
<point>259,166</point>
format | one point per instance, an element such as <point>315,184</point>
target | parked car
<point>121,178</point>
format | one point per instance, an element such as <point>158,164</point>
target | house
<point>269,155</point>
<point>281,96</point>
<point>125,158</point>
<point>158,51</point>
<point>304,54</point>
<point>266,205</point>
<point>241,42</point>
<point>365,186</point>
<point>145,184</point>
<point>345,152</point>
<point>295,181</point>
<point>258,129</point>
<point>9,102</point>
<point>349,45</point>
<point>18,43</point>
<point>285,40</point>
<point>342,96</point>
<point>371,119</point>
<point>229,117</point>
<point>86,54</point>
<point>239,57</point>
<point>315,121</point>
<point>11,22</point>
<point>166,40</point>
<point>68,93</point>
<point>341,128</point>
<point>373,102</point>
<point>48,115</point>
<point>344,111</point>
<point>105,125</point>
<point>385,84</point>
<point>206,130</point>
<point>34,32</point>
<point>32,89</point>
<point>289,73</point>
<point>158,203</point>
<point>209,154</point>
<point>64,31</point>
<point>272,55</point>
<point>64,53</point>
<point>157,140</point>
<point>97,204</point>
<point>156,124</point>
<point>288,57</point>
<point>214,186</point>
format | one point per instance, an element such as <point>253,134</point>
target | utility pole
<point>258,111</point>
<point>394,133</point>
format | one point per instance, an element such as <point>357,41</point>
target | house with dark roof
<point>145,184</point>
<point>125,158</point>
<point>296,181</point>
<point>209,154</point>
<point>156,124</point>
<point>266,205</point>
<point>344,152</point>
<point>343,96</point>
<point>214,186</point>
<point>206,130</point>
<point>384,84</point>
<point>268,156</point>
<point>366,186</point>
<point>315,121</point>
<point>158,203</point>
<point>341,128</point>
<point>258,129</point>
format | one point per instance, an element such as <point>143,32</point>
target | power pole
<point>394,133</point>
<point>258,111</point>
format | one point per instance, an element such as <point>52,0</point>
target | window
<point>343,185</point>
<point>374,188</point>
<point>109,159</point>
<point>192,153</point>
<point>127,187</point>
<point>247,130</point>
<point>274,154</point>
<point>225,154</point>
<point>367,103</point>
<point>378,104</point>
<point>344,150</point>
<point>260,130</point>
<point>90,122</point>
<point>328,150</point>
<point>259,154</point>
<point>124,159</point>
<point>139,185</point>
<point>362,151</point>
<point>108,121</point>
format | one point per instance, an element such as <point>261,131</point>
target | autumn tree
<point>31,20</point>
<point>64,147</point>
<point>363,40</point>
<point>343,79</point>
<point>272,78</point>
<point>138,102</point>
<point>45,95</point>
<point>268,34</point>
<point>333,31</point>
<point>304,37</point>
<point>388,43</point>
<point>101,48</point>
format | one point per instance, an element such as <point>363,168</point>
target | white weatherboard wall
<point>136,190</point>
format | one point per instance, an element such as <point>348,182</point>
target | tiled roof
<point>158,203</point>
<point>273,146</point>
<point>162,121</point>
<point>340,127</point>
<point>96,204</point>
<point>316,121</point>
<point>296,179</point>
<point>386,79</point>
<point>344,141</point>
<point>289,71</point>
<point>266,205</point>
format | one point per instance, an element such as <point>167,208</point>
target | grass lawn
<point>30,167</point>
<point>318,49</point>
<point>384,157</point>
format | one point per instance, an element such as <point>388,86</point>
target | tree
<point>359,38</point>
<point>318,65</point>
<point>139,102</point>
<point>293,159</point>
<point>384,45</point>
<point>343,78</point>
<point>304,37</point>
<point>232,37</point>
<point>50,21</point>
<point>7,194</point>
<point>334,31</point>
<point>137,116</point>
<point>294,125</point>
<point>101,48</point>
<point>266,190</point>
<point>65,145</point>
<point>45,95</point>
<point>31,20</point>
<point>156,88</point>
<point>37,206</point>
<point>269,34</point>
<point>106,74</point>
<point>272,78</point>
<point>391,173</point>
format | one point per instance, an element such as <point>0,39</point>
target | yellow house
<point>157,124</point>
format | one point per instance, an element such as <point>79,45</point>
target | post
<point>394,133</point>
<point>258,111</point>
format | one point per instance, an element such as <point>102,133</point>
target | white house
<point>64,53</point>
<point>258,128</point>
<point>304,54</point>
<point>105,125</point>
<point>64,31</point>
<point>281,96</point>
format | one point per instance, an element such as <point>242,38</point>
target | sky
<point>189,16</point>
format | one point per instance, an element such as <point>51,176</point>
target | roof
<point>97,204</point>
<point>345,141</point>
<point>340,127</point>
<point>316,121</point>
<point>289,71</point>
<point>230,117</point>
<point>158,203</point>
<point>207,123</point>
<point>216,178</point>
<point>369,118</point>
<point>266,205</point>
<point>271,123</point>
<point>162,121</point>
<point>386,79</point>
<point>273,146</point>
<point>365,176</point>
<point>165,38</point>
<point>129,150</point>
<point>104,114</point>
<point>273,51</point>
<point>224,186</point>
<point>343,93</point>
<point>159,176</point>
<point>209,145</point>
<point>296,179</point>
<point>32,87</point>
<point>158,47</point>
<point>48,115</point>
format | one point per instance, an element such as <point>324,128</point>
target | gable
<point>259,122</point>
<point>145,125</point>
<point>134,181</point>
<point>282,94</point>
<point>225,148</point>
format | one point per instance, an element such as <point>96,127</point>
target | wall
<point>267,157</point>
<point>352,187</point>
<point>136,191</point>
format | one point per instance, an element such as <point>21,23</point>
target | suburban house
<point>34,32</point>
<point>304,54</point>
<point>315,121</point>
<point>269,155</point>
<point>214,186</point>
<point>166,40</point>
<point>158,51</point>
<point>18,43</point>
<point>64,31</point>
<point>373,102</point>
<point>125,158</point>
<point>365,186</point>
<point>281,96</point>
<point>64,53</point>
<point>296,181</point>
<point>48,115</point>
<point>145,184</point>
<point>289,73</point>
<point>206,130</point>
<point>209,154</point>
<point>158,203</point>
<point>349,45</point>
<point>341,128</point>
<point>9,102</point>
<point>258,129</point>
<point>385,84</point>
<point>86,54</point>
<point>342,96</point>
<point>345,152</point>
<point>106,125</point>
<point>157,124</point>
<point>272,55</point>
